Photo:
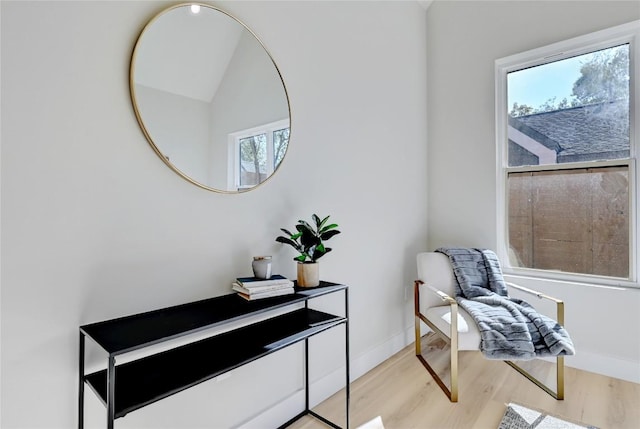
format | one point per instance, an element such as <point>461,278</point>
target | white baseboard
<point>278,414</point>
<point>611,366</point>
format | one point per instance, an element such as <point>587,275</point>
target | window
<point>256,153</point>
<point>565,118</point>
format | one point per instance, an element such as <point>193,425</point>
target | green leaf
<point>321,254</point>
<point>296,235</point>
<point>302,225</point>
<point>309,239</point>
<point>328,227</point>
<point>323,222</point>
<point>327,235</point>
<point>316,219</point>
<point>288,241</point>
<point>300,258</point>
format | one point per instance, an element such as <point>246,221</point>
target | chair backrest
<point>434,268</point>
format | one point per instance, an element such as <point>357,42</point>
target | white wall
<point>95,226</point>
<point>464,40</point>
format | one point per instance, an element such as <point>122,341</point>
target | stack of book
<point>252,288</point>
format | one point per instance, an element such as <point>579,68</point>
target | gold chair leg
<point>454,353</point>
<point>560,377</point>
<point>559,392</point>
<point>452,393</point>
<point>418,337</point>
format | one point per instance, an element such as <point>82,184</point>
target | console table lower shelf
<point>129,386</point>
<point>147,380</point>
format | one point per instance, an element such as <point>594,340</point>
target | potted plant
<point>309,241</point>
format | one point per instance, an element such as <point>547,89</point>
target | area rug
<point>375,423</point>
<point>519,417</point>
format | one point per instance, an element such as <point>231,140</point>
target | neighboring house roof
<point>584,133</point>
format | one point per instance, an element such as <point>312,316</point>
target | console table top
<point>129,333</point>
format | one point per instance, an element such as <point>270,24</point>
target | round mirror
<point>209,98</point>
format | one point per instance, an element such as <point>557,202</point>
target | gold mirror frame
<point>145,127</point>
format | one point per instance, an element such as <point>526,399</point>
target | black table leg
<point>81,383</point>
<point>346,347</point>
<point>111,387</point>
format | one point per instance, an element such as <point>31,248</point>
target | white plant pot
<point>308,274</point>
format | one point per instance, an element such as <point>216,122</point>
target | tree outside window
<point>567,167</point>
<point>256,153</point>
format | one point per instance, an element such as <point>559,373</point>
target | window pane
<point>574,221</point>
<point>572,110</point>
<point>280,144</point>
<point>253,160</point>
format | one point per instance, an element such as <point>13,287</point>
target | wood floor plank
<point>403,393</point>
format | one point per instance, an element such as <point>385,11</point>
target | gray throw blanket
<point>510,328</point>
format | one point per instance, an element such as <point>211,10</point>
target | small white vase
<point>308,274</point>
<point>261,267</point>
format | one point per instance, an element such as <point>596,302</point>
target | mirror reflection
<point>209,98</point>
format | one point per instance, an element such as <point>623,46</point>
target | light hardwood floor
<point>403,393</point>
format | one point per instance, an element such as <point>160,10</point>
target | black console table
<point>129,386</point>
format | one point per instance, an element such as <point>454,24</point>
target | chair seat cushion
<point>468,334</point>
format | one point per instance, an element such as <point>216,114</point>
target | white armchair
<point>434,293</point>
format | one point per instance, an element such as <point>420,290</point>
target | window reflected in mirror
<point>257,153</point>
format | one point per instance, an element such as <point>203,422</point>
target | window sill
<point>514,274</point>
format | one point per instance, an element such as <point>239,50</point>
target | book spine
<point>251,297</point>
<point>261,283</point>
<point>257,283</point>
<point>260,289</point>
